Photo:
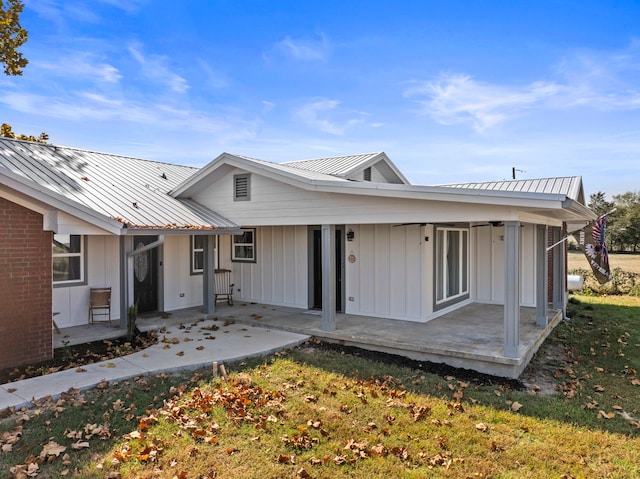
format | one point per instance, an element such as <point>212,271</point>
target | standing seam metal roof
<point>309,174</point>
<point>335,166</point>
<point>570,186</point>
<point>130,190</point>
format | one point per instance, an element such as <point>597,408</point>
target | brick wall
<point>25,287</point>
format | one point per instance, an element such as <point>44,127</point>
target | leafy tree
<point>12,37</point>
<point>7,132</point>
<point>598,203</point>
<point>627,232</point>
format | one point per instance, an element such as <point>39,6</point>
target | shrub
<point>622,282</point>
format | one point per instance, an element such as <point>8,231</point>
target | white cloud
<point>214,79</point>
<point>316,114</point>
<point>86,107</point>
<point>606,80</point>
<point>455,98</point>
<point>82,64</point>
<point>156,67</point>
<point>129,6</point>
<point>305,50</point>
<point>601,80</point>
<point>267,106</point>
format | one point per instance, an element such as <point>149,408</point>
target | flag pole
<point>549,248</point>
<point>607,214</point>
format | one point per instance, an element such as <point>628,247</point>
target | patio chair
<point>223,286</point>
<point>99,303</point>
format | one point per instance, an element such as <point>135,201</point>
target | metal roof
<point>307,173</point>
<point>129,190</point>
<point>335,166</point>
<point>571,186</point>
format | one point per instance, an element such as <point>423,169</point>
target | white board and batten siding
<point>102,269</point>
<point>181,288</point>
<point>274,203</point>
<point>280,274</point>
<point>385,271</point>
<point>488,251</point>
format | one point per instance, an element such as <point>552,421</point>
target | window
<point>197,254</point>
<point>452,266</point>
<point>241,187</point>
<point>243,246</point>
<point>68,259</point>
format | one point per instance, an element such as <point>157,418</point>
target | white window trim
<point>82,255</point>
<point>192,253</point>
<point>253,244</point>
<point>442,281</point>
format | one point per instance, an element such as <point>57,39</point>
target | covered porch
<point>471,337</point>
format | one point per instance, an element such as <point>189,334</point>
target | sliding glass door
<point>452,266</point>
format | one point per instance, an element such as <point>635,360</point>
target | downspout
<point>145,248</point>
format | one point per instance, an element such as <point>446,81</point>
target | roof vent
<point>367,174</point>
<point>241,187</point>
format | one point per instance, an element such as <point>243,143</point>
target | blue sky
<point>451,90</point>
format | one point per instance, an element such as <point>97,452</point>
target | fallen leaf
<point>180,353</point>
<point>516,406</point>
<point>52,449</point>
<point>284,459</point>
<point>80,445</point>
<point>604,415</point>
<point>482,427</point>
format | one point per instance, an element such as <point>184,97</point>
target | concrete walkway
<point>189,348</point>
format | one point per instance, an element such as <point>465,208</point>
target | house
<point>344,235</point>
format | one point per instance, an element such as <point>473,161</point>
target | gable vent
<point>241,187</point>
<point>367,174</point>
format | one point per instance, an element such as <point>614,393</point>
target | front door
<point>315,295</point>
<point>145,275</point>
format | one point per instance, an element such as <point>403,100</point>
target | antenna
<point>513,172</point>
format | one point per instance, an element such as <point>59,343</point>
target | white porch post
<point>512,289</point>
<point>208,277</point>
<point>541,276</point>
<point>558,271</point>
<point>328,278</point>
<point>126,273</point>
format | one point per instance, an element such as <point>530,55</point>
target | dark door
<point>145,275</point>
<point>317,269</point>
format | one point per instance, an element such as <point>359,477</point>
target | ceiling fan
<point>409,224</point>
<point>495,224</point>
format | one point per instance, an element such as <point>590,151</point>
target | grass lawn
<point>317,412</point>
<point>627,262</point>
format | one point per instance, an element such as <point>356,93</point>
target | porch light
<point>350,235</point>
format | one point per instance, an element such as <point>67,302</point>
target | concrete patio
<point>470,337</point>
